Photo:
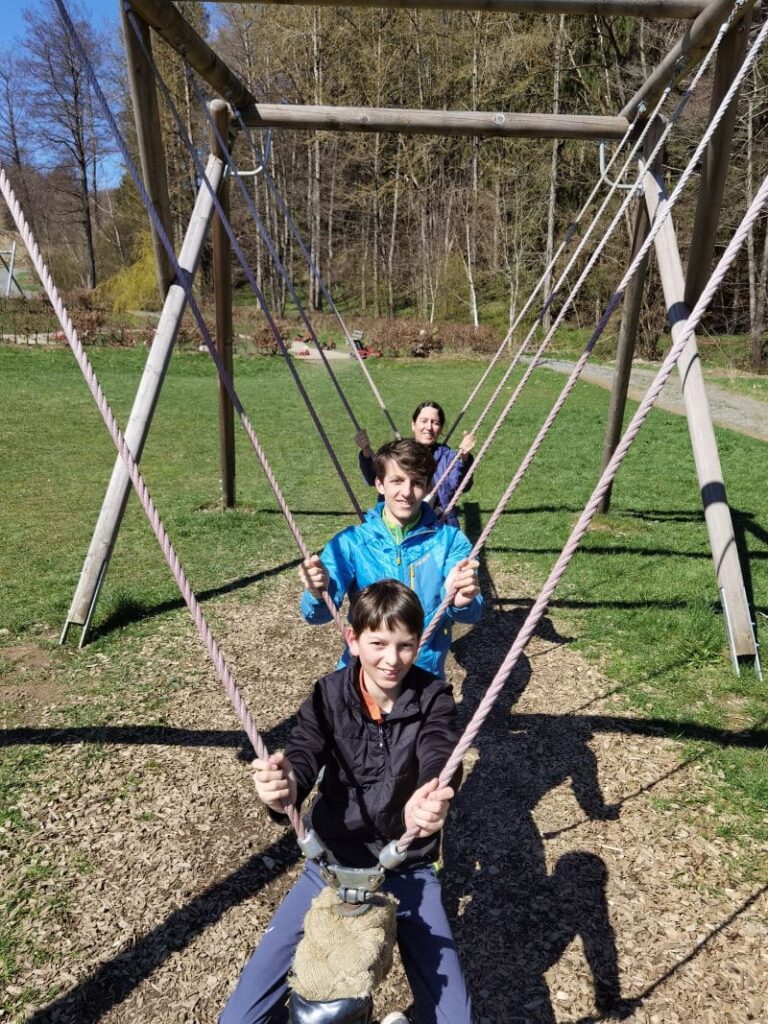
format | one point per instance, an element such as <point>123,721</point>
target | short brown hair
<point>412,457</point>
<point>387,603</point>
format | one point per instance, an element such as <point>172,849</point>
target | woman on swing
<point>427,424</point>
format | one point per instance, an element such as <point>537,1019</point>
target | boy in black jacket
<point>383,729</point>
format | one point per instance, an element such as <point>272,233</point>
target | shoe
<point>335,1011</point>
<point>396,1018</point>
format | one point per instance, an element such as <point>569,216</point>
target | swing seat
<point>355,1010</point>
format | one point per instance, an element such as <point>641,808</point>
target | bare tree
<point>61,112</point>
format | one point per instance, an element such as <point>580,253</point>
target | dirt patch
<point>573,876</point>
<point>27,682</point>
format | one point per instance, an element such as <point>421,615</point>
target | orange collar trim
<point>369,703</point>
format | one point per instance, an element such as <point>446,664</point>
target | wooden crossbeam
<point>166,20</point>
<point>685,55</point>
<point>434,122</point>
<point>650,9</point>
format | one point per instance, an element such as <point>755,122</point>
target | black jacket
<point>370,770</point>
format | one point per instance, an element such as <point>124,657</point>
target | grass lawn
<point>640,598</point>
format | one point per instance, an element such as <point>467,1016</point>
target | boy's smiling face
<point>403,493</point>
<point>386,654</point>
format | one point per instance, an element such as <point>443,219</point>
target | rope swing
<point>350,929</point>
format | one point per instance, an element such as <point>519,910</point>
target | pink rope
<point>314,269</point>
<point>598,251</point>
<point>572,544</point>
<point>537,287</point>
<point>540,605</point>
<point>550,299</point>
<point>663,212</point>
<point>182,278</point>
<point>214,652</point>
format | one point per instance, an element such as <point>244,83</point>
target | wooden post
<point>497,124</point>
<point>151,153</point>
<point>140,419</point>
<point>222,289</point>
<point>625,348</point>
<point>716,511</point>
<point>714,168</point>
<point>630,321</point>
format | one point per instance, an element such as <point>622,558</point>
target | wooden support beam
<point>714,167</point>
<point>716,511</point>
<point>166,20</point>
<point>434,122</point>
<point>630,322</point>
<point>685,55</point>
<point>625,347</point>
<point>151,154</point>
<point>650,9</point>
<point>136,430</point>
<point>222,291</point>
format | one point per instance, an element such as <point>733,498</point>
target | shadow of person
<point>513,918</point>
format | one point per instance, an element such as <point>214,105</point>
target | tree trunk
<point>392,239</point>
<point>550,247</point>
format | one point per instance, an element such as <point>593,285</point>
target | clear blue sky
<point>102,13</point>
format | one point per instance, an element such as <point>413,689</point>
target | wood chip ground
<point>573,876</point>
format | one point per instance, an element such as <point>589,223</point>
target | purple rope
<point>572,544</point>
<point>184,280</point>
<point>570,383</point>
<point>553,293</point>
<point>569,236</point>
<point>314,269</point>
<point>617,295</point>
<point>214,652</point>
<point>267,238</point>
<point>244,263</point>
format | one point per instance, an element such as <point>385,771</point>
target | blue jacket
<point>367,553</point>
<point>443,456</point>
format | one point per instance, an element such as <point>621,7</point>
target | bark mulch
<point>579,884</point>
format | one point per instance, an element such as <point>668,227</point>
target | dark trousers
<point>424,937</point>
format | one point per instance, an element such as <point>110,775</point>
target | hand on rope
<point>275,781</point>
<point>363,443</point>
<point>428,808</point>
<point>314,576</point>
<point>462,582</point>
<point>466,444</point>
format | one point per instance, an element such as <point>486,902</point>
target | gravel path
<point>736,412</point>
<point>580,885</point>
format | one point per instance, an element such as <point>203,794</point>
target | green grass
<point>639,598</point>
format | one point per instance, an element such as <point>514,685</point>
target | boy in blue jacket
<point>382,730</point>
<point>400,539</point>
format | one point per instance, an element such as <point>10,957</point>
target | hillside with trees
<point>432,227</point>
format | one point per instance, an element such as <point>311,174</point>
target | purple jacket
<point>443,457</point>
<point>371,770</point>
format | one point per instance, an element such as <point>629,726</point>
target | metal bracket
<point>265,158</point>
<point>603,165</point>
<point>731,645</point>
<point>356,886</point>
